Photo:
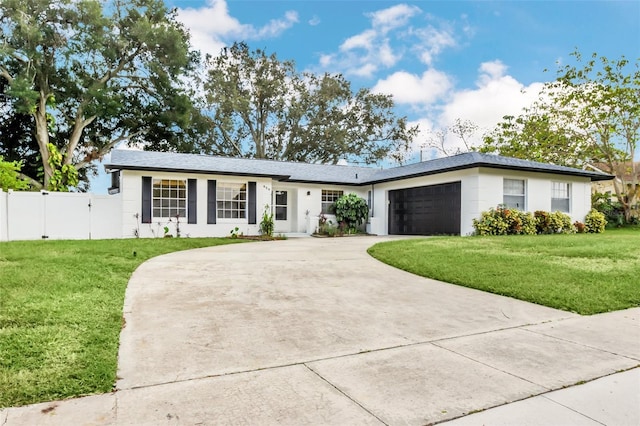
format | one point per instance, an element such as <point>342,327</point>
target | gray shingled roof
<point>324,173</point>
<point>280,170</point>
<point>476,159</point>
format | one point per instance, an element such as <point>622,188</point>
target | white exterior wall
<point>537,191</point>
<point>302,209</point>
<point>482,189</point>
<point>313,202</point>
<point>131,191</point>
<point>379,223</point>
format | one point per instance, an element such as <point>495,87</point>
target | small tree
<point>352,211</point>
<point>10,175</point>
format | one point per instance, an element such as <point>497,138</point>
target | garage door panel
<point>425,210</point>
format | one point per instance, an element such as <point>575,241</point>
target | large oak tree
<point>264,108</point>
<point>91,74</point>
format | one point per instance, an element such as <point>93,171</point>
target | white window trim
<point>567,185</point>
<point>324,203</point>
<point>161,198</point>
<point>233,185</point>
<point>276,205</point>
<point>523,195</point>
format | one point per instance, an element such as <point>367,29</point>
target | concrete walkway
<point>314,331</point>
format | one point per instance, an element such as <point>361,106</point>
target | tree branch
<point>106,149</point>
<point>4,73</point>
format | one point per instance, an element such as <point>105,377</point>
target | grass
<point>582,273</point>
<point>61,313</point>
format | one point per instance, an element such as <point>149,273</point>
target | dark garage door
<point>425,210</point>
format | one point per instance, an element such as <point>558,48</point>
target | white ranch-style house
<point>213,195</point>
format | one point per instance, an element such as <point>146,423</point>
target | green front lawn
<point>583,273</point>
<point>61,313</point>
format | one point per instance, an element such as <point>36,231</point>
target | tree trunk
<point>42,136</point>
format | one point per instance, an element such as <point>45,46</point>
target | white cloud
<point>212,27</point>
<point>365,53</point>
<point>315,20</point>
<point>496,94</point>
<point>274,28</point>
<point>393,17</point>
<point>326,60</point>
<point>491,71</point>
<point>408,88</point>
<point>394,32</point>
<point>364,40</point>
<point>432,41</point>
<point>386,55</point>
<point>366,70</point>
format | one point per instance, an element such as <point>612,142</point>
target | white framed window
<point>169,198</point>
<point>329,196</point>
<point>560,197</point>
<point>231,200</point>
<point>281,205</point>
<point>514,194</point>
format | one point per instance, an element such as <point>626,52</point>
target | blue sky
<point>441,60</point>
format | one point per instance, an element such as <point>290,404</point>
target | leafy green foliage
<point>553,223</point>
<point>535,136</point>
<point>63,175</point>
<point>352,211</point>
<point>595,222</point>
<point>266,224</point>
<point>59,335</point>
<point>587,273</point>
<point>10,176</point>
<point>612,209</point>
<point>90,75</point>
<point>589,116</point>
<point>264,108</point>
<point>504,221</point>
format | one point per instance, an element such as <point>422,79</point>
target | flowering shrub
<point>553,223</point>
<point>504,221</point>
<point>595,222</point>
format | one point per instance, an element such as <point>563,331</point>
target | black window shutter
<point>252,203</point>
<point>146,199</point>
<point>192,201</point>
<point>211,201</point>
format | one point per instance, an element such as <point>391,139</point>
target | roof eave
<point>591,176</point>
<point>112,167</point>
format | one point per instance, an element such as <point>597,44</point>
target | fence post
<point>44,214</point>
<point>4,216</point>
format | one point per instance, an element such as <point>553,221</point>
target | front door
<point>282,214</point>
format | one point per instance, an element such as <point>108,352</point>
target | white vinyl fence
<point>58,215</point>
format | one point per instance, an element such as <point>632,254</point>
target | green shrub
<point>562,223</point>
<point>266,224</point>
<point>553,223</point>
<point>503,221</point>
<point>352,211</point>
<point>613,210</point>
<point>595,222</point>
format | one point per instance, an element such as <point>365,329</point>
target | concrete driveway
<point>315,331</point>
